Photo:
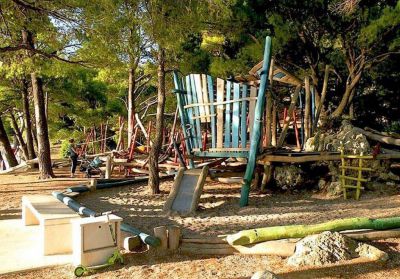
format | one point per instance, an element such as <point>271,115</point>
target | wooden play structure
<point>232,110</point>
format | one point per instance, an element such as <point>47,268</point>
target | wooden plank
<point>199,95</point>
<point>243,117</point>
<point>235,116</point>
<point>196,112</point>
<point>190,114</point>
<point>227,132</point>
<point>204,87</point>
<point>353,178</point>
<point>220,112</point>
<point>212,110</point>
<point>252,106</point>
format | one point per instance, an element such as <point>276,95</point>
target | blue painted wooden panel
<point>192,127</point>
<point>222,154</point>
<point>235,115</point>
<point>227,130</point>
<point>210,85</point>
<point>243,117</point>
<point>196,112</point>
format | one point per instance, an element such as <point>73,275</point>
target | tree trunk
<point>154,180</point>
<point>45,168</point>
<point>131,104</point>
<point>28,120</point>
<point>18,134</point>
<point>5,143</point>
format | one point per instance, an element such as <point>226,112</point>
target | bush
<point>64,149</point>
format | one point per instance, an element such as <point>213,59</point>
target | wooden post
<point>174,237</point>
<point>256,135</point>
<point>268,132</point>
<point>323,95</point>
<point>93,184</point>
<point>307,123</point>
<point>108,167</point>
<point>268,171</point>
<point>286,121</point>
<point>296,131</point>
<point>274,118</point>
<point>162,234</point>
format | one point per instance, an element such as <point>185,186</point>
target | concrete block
<point>93,243</point>
<point>131,243</point>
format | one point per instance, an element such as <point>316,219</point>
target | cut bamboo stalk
<point>296,231</point>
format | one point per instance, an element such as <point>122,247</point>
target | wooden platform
<point>304,157</point>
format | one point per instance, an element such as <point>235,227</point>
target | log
<point>372,234</point>
<point>298,231</point>
<point>174,236</point>
<point>376,137</point>
<point>162,233</point>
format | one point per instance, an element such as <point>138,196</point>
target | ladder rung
<point>353,187</point>
<point>356,168</point>
<point>353,178</point>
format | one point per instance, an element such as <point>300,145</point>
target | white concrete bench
<point>54,219</point>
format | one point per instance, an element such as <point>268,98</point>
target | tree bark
<point>131,104</point>
<point>18,134</point>
<point>344,102</point>
<point>5,143</point>
<point>154,180</point>
<point>28,121</point>
<point>45,168</point>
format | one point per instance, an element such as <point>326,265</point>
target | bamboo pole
<point>286,121</point>
<point>297,231</point>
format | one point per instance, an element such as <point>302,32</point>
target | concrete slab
<point>20,248</point>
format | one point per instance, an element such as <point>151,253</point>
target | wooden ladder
<point>344,178</point>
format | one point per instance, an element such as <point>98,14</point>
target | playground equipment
<point>234,112</point>
<point>344,177</point>
<point>186,191</point>
<point>95,238</point>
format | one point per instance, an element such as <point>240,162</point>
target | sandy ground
<point>219,214</point>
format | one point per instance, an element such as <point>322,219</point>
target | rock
<point>264,275</point>
<point>371,252</point>
<point>322,184</point>
<point>288,177</point>
<point>352,141</point>
<point>324,248</point>
<point>334,189</point>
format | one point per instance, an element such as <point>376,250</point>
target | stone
<point>371,252</point>
<point>264,275</point>
<point>334,189</point>
<point>288,177</point>
<point>321,249</point>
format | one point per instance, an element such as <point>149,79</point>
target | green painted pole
<point>297,231</point>
<point>258,114</point>
<point>179,91</point>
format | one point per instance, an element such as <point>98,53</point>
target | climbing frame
<point>346,179</point>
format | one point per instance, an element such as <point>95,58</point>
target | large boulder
<point>353,142</point>
<point>266,274</point>
<point>288,177</point>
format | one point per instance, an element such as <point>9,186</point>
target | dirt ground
<point>219,214</point>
